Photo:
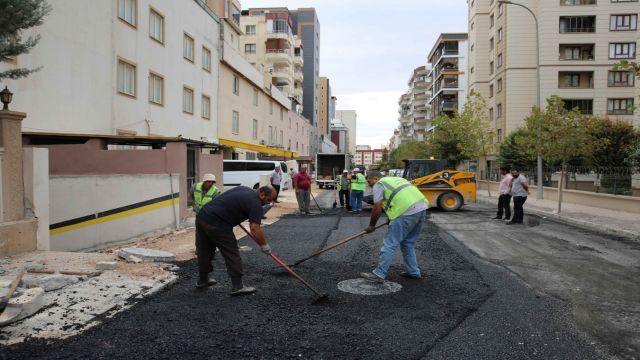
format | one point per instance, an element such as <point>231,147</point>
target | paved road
<point>464,309</point>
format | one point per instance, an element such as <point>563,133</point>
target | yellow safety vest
<point>399,196</point>
<point>360,182</point>
<point>199,199</point>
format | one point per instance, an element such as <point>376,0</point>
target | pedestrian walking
<point>276,179</point>
<point>204,191</point>
<point>214,229</point>
<point>519,190</point>
<point>358,183</point>
<point>406,208</point>
<point>504,200</point>
<point>302,186</point>
<point>343,189</point>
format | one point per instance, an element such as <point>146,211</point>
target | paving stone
<point>49,282</point>
<point>147,254</point>
<point>106,265</point>
<point>22,306</point>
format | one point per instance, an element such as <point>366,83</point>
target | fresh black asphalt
<point>463,309</point>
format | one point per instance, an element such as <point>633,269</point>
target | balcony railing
<point>449,105</point>
<point>578,2</point>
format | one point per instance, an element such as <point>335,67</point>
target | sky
<point>369,48</point>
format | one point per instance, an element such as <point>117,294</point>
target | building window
<point>187,47</point>
<point>499,34</point>
<point>620,106</point>
<point>490,114</point>
<point>491,90</point>
<point>250,30</point>
<point>585,106</point>
<point>491,21</point>
<point>491,44</point>
<point>254,131</point>
<point>499,133</point>
<point>249,48</point>
<point>206,107</point>
<point>621,79</point>
<point>281,114</point>
<point>206,59</point>
<point>156,89</point>
<point>499,60</point>
<point>255,97</point>
<point>569,80</point>
<point>623,22</point>
<point>577,24</point>
<point>578,2</point>
<point>270,135</point>
<point>281,138</point>
<point>472,47</point>
<point>499,111</point>
<point>156,26</point>
<point>473,69</point>
<point>622,50</point>
<point>270,107</point>
<point>236,85</point>
<point>187,100</point>
<point>499,85</point>
<point>472,26</point>
<point>235,122</point>
<point>127,11</point>
<point>126,78</point>
<point>500,9</point>
<point>491,68</point>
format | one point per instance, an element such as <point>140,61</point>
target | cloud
<point>377,115</point>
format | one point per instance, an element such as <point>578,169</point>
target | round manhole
<point>361,286</point>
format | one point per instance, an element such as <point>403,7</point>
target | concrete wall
<point>91,211</point>
<point>603,201</point>
<point>36,191</point>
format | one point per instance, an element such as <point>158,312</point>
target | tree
<point>512,154</point>
<point>407,150</point>
<point>617,138</point>
<point>15,17</point>
<point>558,134</point>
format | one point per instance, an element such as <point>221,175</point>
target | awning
<point>263,149</point>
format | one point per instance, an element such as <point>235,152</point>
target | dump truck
<point>328,167</point>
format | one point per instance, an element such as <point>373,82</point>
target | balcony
<point>576,52</point>
<point>297,60</point>
<point>297,76</point>
<point>575,80</point>
<point>281,75</point>
<point>577,24</point>
<point>297,92</point>
<point>279,56</point>
<point>280,35</point>
<point>448,105</point>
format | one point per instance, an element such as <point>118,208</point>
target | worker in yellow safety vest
<point>406,208</point>
<point>343,184</point>
<point>204,191</point>
<point>358,184</point>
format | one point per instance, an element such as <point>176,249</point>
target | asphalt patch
<point>278,321</point>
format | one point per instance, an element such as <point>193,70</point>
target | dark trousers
<point>518,211</point>
<point>504,206</point>
<point>344,197</point>
<point>277,187</point>
<point>208,238</point>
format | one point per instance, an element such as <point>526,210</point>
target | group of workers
<point>218,213</point>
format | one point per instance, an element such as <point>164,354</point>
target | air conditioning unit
<point>262,142</point>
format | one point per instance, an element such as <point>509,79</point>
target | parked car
<point>247,173</point>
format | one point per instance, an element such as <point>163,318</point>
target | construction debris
<point>106,265</point>
<point>49,282</point>
<point>25,304</point>
<point>146,254</point>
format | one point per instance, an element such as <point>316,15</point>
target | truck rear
<point>328,167</point>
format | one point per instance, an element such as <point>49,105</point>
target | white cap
<point>345,171</point>
<point>209,177</point>
<point>356,169</point>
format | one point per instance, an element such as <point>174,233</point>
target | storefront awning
<point>263,149</point>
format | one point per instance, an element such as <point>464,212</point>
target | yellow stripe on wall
<point>120,215</point>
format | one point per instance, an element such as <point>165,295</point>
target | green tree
<point>15,17</point>
<point>407,150</point>
<point>444,141</point>
<point>616,138</point>
<point>558,134</point>
<point>512,154</point>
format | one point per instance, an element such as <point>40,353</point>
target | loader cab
<point>417,168</point>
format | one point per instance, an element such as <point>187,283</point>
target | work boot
<point>238,288</point>
<point>410,276</point>
<point>204,281</point>
<point>369,276</point>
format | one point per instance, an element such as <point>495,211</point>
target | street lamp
<point>539,180</point>
<point>5,97</point>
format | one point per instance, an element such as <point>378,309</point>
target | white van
<point>247,173</point>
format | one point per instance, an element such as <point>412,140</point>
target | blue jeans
<point>404,231</point>
<point>356,200</point>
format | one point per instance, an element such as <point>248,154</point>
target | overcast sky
<point>368,49</point>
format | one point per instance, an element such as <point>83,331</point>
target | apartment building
<point>368,157</point>
<point>255,115</point>
<point>395,140</point>
<point>127,67</point>
<point>324,113</point>
<point>580,40</point>
<point>414,107</point>
<point>269,44</point>
<point>349,118</point>
<point>448,59</point>
<point>340,136</point>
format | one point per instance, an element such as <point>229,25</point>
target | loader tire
<point>450,201</point>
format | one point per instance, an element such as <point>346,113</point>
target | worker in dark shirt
<point>214,229</point>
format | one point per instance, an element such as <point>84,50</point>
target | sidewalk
<point>618,223</point>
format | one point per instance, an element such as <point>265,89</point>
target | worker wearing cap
<point>204,191</point>
<point>358,183</point>
<point>405,207</point>
<point>343,188</point>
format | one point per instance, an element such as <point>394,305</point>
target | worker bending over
<point>214,229</point>
<point>405,207</point>
<point>358,184</point>
<point>204,191</point>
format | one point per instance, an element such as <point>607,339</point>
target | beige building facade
<point>414,106</point>
<point>448,86</point>
<point>580,40</point>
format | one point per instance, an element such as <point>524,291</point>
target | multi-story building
<point>448,59</point>
<point>579,43</point>
<point>414,108</point>
<point>269,44</point>
<point>324,117</point>
<point>368,157</point>
<point>123,68</point>
<point>395,141</point>
<point>340,136</point>
<point>349,119</point>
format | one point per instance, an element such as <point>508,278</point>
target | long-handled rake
<point>320,296</point>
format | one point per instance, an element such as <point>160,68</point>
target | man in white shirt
<point>504,201</point>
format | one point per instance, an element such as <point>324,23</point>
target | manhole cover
<point>361,286</point>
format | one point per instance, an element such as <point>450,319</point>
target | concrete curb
<point>587,225</point>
